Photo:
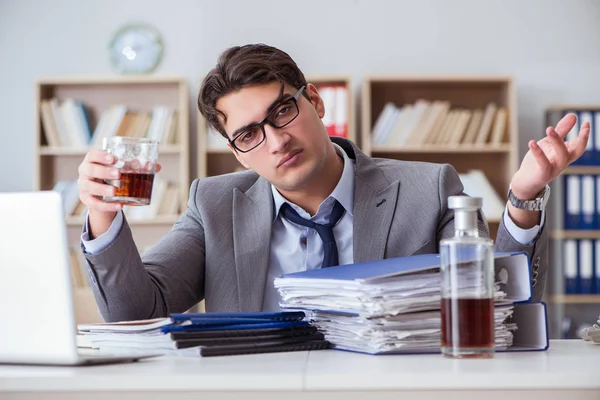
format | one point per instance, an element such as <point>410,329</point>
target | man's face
<point>290,157</point>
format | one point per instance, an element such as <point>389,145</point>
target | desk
<point>569,370</point>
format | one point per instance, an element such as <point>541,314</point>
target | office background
<point>550,47</point>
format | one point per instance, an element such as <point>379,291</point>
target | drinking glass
<point>136,160</point>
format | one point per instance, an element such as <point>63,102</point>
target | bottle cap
<point>465,211</point>
<point>464,202</point>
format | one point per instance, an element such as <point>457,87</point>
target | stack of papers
<point>209,334</point>
<point>396,334</point>
<point>386,306</point>
<point>376,297</point>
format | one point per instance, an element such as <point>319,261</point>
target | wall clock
<point>136,49</point>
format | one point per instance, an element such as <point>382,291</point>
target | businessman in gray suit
<point>307,201</point>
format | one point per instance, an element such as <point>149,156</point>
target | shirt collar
<point>343,192</point>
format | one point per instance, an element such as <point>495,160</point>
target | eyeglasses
<point>284,113</point>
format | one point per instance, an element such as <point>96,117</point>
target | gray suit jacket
<point>219,248</point>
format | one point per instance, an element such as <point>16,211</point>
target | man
<point>242,230</point>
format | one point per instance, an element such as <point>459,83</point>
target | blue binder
<point>595,133</point>
<point>588,157</point>
<point>572,202</point>
<point>586,266</point>
<point>597,203</point>
<point>571,266</point>
<point>573,134</point>
<point>588,202</point>
<point>596,285</point>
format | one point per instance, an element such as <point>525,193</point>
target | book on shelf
<point>499,126</point>
<point>473,126</point>
<point>410,124</point>
<point>78,267</point>
<point>382,127</point>
<point>335,101</point>
<point>435,122</point>
<point>439,117</point>
<point>69,192</point>
<point>214,140</point>
<point>68,123</point>
<point>476,184</point>
<point>483,133</point>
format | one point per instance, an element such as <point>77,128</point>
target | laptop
<point>37,316</point>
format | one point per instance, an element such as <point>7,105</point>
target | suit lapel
<point>375,200</point>
<point>252,225</point>
<point>373,214</point>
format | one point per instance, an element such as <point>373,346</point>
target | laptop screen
<point>36,306</point>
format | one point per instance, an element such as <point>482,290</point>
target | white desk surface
<point>566,365</point>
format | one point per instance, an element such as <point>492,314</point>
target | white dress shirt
<point>297,248</point>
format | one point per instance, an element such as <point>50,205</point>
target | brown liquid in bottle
<point>469,325</point>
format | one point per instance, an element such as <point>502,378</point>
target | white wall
<point>551,47</point>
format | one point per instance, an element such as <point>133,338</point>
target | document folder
<point>378,297</point>
<point>208,334</point>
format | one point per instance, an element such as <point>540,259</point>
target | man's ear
<point>315,99</point>
<point>237,155</point>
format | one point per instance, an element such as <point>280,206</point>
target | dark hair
<point>241,66</point>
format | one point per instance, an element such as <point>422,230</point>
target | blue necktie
<point>325,231</point>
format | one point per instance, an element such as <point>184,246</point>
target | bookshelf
<point>469,122</point>
<point>574,279</point>
<point>151,106</point>
<point>215,158</point>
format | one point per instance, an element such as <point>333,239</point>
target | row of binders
<point>206,334</point>
<point>581,202</point>
<point>581,261</point>
<point>591,156</point>
<point>69,123</point>
<point>335,102</point>
<point>392,306</point>
<point>437,123</point>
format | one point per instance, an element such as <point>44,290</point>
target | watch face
<point>136,49</point>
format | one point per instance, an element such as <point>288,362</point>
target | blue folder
<point>235,321</point>
<point>516,263</point>
<point>260,316</point>
<point>241,326</point>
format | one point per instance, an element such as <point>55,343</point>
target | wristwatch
<point>537,204</point>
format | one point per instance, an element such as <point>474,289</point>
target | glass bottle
<point>467,285</point>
